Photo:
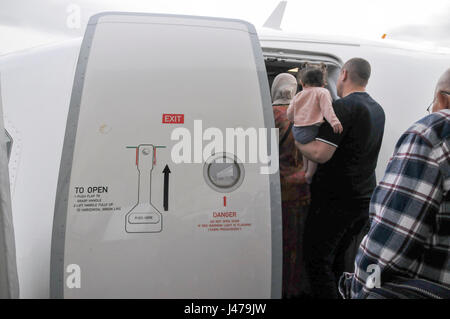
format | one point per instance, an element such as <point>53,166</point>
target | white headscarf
<point>284,87</point>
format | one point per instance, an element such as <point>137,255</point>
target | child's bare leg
<point>305,164</point>
<point>312,167</point>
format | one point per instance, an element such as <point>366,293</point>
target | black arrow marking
<point>166,172</point>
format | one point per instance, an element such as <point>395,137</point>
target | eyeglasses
<point>429,107</point>
<point>431,104</point>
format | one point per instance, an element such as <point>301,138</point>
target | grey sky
<point>25,23</point>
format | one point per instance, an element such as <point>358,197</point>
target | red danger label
<point>173,118</point>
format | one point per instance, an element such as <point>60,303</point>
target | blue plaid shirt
<point>410,211</point>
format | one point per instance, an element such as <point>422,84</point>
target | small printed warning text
<point>224,221</point>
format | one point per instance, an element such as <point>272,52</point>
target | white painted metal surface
<point>140,67</point>
<point>9,283</point>
<point>37,85</point>
<point>36,88</point>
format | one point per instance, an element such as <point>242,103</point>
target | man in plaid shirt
<point>410,208</point>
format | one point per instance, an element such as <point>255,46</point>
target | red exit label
<point>173,118</point>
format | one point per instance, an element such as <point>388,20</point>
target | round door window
<point>223,172</point>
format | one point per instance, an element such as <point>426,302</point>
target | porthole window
<point>223,172</point>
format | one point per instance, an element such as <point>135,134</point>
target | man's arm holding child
<point>317,151</point>
<point>322,149</point>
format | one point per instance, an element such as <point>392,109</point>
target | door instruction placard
<point>224,221</point>
<point>92,199</point>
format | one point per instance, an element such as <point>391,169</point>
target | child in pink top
<point>308,110</point>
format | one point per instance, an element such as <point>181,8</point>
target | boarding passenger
<point>344,181</point>
<point>308,110</point>
<point>409,237</point>
<point>294,190</point>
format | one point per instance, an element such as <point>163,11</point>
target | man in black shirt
<point>344,181</point>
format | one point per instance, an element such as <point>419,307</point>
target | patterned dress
<point>295,204</point>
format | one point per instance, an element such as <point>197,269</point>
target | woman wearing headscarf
<point>294,189</point>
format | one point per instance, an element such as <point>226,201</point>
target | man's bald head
<point>354,77</point>
<point>442,92</point>
<point>358,71</point>
<point>444,82</point>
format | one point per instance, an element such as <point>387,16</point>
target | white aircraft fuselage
<point>37,87</point>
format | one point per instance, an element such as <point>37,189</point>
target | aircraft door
<point>152,200</point>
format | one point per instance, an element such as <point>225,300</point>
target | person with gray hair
<point>442,93</point>
<point>407,250</point>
